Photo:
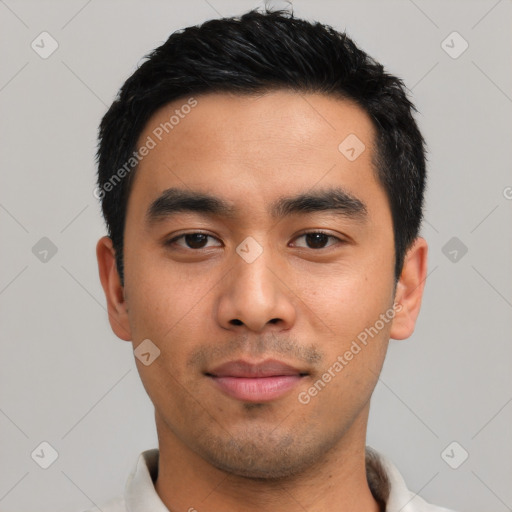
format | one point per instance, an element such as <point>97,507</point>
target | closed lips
<point>257,383</point>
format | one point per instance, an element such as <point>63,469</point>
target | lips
<point>268,368</point>
<point>260,382</point>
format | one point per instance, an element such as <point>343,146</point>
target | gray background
<point>66,379</point>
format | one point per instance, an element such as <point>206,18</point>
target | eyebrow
<point>334,200</point>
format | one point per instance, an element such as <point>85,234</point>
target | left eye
<point>316,239</point>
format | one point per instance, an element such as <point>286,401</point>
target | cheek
<point>347,300</point>
<point>161,296</point>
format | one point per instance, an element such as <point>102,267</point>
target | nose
<point>256,295</point>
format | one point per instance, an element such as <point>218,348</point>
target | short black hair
<point>255,53</point>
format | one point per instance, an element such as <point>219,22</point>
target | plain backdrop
<point>66,380</point>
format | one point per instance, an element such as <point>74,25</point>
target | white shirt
<point>140,494</point>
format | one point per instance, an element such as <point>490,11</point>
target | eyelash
<point>183,235</point>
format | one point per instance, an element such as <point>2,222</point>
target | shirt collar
<point>140,494</point>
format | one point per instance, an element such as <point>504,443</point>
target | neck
<point>336,482</point>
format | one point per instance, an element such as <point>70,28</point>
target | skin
<point>296,302</point>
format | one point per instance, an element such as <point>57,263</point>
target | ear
<point>409,290</point>
<point>114,291</point>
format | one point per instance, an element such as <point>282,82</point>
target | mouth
<point>260,382</point>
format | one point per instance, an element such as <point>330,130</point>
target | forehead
<point>253,148</point>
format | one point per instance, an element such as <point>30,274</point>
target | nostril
<point>236,322</point>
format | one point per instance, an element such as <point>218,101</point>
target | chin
<point>264,458</point>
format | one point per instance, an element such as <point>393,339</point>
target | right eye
<point>194,240</point>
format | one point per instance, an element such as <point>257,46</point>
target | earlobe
<point>409,290</point>
<point>114,291</point>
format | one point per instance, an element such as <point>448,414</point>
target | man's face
<point>257,287</point>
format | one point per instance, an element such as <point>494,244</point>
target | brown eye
<point>192,241</point>
<point>196,240</point>
<point>317,240</point>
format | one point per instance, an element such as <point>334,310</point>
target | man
<point>262,183</point>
